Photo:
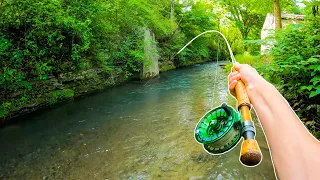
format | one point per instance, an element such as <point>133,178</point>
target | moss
<point>167,68</point>
<point>61,94</point>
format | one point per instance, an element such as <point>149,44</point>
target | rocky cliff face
<point>69,85</point>
<point>151,66</point>
<point>56,89</point>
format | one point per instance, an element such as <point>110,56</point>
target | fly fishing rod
<point>221,129</point>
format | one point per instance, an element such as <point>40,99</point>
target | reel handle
<point>250,154</point>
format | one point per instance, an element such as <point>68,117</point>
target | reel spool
<point>219,130</point>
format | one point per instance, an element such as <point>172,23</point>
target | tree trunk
<point>277,14</point>
<point>172,11</point>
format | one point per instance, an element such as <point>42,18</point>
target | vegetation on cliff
<point>41,41</point>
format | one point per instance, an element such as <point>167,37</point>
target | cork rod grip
<point>250,154</point>
<point>242,98</point>
<point>241,93</point>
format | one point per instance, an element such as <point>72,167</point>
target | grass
<point>258,62</point>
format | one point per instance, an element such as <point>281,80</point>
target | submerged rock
<point>165,169</point>
<point>195,177</point>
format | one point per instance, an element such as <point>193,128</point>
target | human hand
<point>247,74</point>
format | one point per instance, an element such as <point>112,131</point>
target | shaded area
<point>130,132</point>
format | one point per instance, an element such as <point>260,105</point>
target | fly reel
<point>219,130</point>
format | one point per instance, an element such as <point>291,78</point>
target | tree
<point>277,14</point>
<point>247,15</point>
<point>172,11</point>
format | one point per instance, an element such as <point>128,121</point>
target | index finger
<point>231,75</point>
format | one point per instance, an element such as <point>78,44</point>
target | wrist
<point>255,91</point>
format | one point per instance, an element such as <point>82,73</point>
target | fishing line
<point>212,31</point>
<point>215,77</point>
<point>233,60</point>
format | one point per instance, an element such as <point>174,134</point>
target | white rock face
<point>151,66</point>
<point>269,25</point>
<point>267,31</point>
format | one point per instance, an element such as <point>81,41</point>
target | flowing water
<point>133,131</point>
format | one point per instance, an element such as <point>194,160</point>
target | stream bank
<point>68,86</point>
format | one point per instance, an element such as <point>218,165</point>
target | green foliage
<point>246,58</point>
<point>234,38</point>
<point>297,58</point>
<point>12,105</point>
<point>248,17</point>
<point>295,69</point>
<point>191,23</point>
<point>228,67</point>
